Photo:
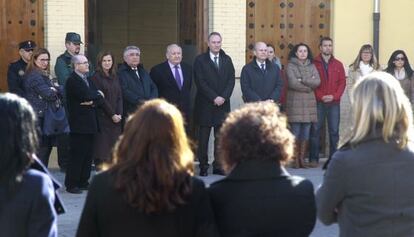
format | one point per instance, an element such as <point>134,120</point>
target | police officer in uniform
<point>63,70</point>
<point>17,69</point>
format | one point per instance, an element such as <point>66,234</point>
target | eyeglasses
<point>84,63</point>
<point>44,60</point>
<point>28,50</point>
<point>366,52</point>
<point>399,59</point>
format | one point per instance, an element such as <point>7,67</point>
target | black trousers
<point>202,151</point>
<point>63,150</point>
<point>78,171</point>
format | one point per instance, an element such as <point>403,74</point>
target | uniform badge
<point>21,73</point>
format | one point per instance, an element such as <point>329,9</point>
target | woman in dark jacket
<point>26,195</point>
<point>149,191</point>
<point>259,197</point>
<point>367,188</point>
<point>39,91</point>
<point>110,113</point>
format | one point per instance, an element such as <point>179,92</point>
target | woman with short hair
<point>259,197</point>
<point>367,185</point>
<point>26,195</point>
<point>150,189</point>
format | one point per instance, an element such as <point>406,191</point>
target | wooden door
<point>285,23</point>
<point>20,20</point>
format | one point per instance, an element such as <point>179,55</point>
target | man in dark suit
<point>174,80</point>
<point>260,79</point>
<point>82,98</point>
<point>136,84</point>
<point>214,78</point>
<point>17,69</point>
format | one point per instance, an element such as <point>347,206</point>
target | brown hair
<point>373,62</point>
<point>36,53</point>
<point>153,162</point>
<point>257,131</point>
<point>99,69</point>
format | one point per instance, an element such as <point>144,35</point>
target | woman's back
<point>106,213</point>
<point>30,211</point>
<point>373,184</point>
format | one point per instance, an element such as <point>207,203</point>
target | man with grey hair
<point>174,80</point>
<point>260,79</point>
<point>82,100</point>
<point>136,83</point>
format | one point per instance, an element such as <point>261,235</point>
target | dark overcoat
<point>212,82</point>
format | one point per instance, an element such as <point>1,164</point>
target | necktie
<point>86,81</point>
<point>216,61</point>
<point>262,67</point>
<point>136,71</point>
<point>177,76</point>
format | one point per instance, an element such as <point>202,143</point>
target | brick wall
<point>229,18</point>
<point>61,17</point>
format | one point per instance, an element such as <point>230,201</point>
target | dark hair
<point>153,161</point>
<point>272,46</point>
<point>214,33</point>
<point>99,69</point>
<point>257,131</point>
<point>373,62</point>
<point>292,53</point>
<point>391,66</point>
<point>325,38</point>
<point>18,138</point>
<point>36,53</point>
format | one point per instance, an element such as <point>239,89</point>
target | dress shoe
<point>218,172</point>
<point>84,187</point>
<point>203,172</point>
<point>74,190</point>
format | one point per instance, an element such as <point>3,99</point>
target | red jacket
<point>332,83</point>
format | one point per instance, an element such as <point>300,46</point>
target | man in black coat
<point>174,80</point>
<point>260,79</point>
<point>17,69</point>
<point>136,84</point>
<point>214,78</point>
<point>82,99</point>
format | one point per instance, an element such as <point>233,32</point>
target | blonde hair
<point>379,102</point>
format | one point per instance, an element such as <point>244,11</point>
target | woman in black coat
<point>149,190</point>
<point>39,91</point>
<point>259,197</point>
<point>110,112</point>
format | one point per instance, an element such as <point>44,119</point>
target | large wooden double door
<point>285,23</point>
<point>19,20</point>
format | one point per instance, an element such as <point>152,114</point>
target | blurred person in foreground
<point>366,188</point>
<point>259,197</point>
<point>149,190</point>
<point>26,195</point>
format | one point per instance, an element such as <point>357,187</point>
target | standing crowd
<point>109,116</point>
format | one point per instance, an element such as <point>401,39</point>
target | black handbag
<point>55,121</point>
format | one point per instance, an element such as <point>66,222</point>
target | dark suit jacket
<point>259,86</point>
<point>30,211</point>
<point>212,82</point>
<point>135,91</point>
<point>258,198</point>
<point>82,118</point>
<point>168,89</point>
<point>107,214</point>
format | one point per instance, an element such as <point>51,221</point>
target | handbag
<point>55,121</point>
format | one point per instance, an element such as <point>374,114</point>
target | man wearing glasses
<point>17,69</point>
<point>82,100</point>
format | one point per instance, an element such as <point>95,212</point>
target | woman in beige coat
<point>399,67</point>
<point>364,63</point>
<point>303,78</point>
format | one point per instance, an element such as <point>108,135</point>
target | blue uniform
<point>15,76</point>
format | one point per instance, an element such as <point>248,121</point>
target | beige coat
<point>300,101</point>
<point>408,86</point>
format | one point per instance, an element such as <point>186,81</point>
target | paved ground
<point>67,223</point>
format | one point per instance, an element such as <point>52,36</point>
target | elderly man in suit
<point>136,84</point>
<point>174,80</point>
<point>82,99</point>
<point>214,78</point>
